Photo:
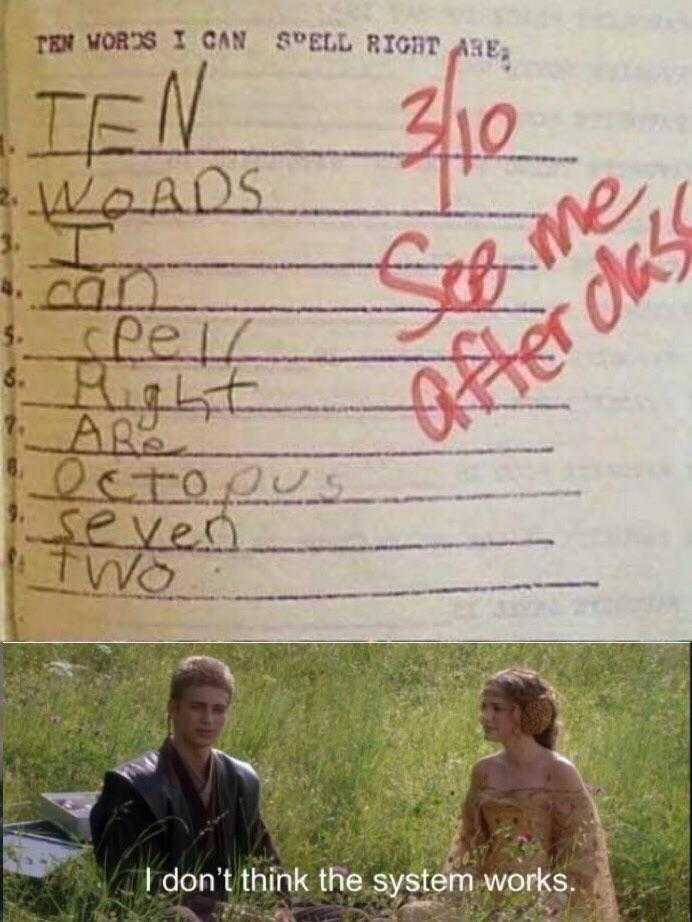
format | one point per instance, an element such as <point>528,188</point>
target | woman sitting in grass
<point>528,808</point>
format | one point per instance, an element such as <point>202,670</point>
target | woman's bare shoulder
<point>563,773</point>
<point>484,770</point>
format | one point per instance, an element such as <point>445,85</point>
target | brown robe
<point>524,829</point>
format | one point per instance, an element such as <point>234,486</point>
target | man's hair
<point>201,670</point>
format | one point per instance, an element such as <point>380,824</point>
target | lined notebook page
<point>7,414</point>
<point>297,359</point>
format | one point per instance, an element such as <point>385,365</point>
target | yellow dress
<point>525,829</point>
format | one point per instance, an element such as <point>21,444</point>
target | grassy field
<point>364,750</point>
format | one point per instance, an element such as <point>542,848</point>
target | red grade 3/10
<point>479,283</point>
<point>495,130</point>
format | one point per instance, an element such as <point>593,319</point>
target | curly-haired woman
<point>527,806</point>
<point>527,811</point>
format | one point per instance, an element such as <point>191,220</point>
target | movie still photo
<point>346,782</point>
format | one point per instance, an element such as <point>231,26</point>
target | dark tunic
<point>149,814</point>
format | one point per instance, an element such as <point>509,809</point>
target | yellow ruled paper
<point>298,357</point>
<point>8,417</point>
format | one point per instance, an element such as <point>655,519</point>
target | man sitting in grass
<point>187,808</point>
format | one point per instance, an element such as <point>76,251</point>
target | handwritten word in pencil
<point>208,191</point>
<point>102,116</point>
<point>159,481</point>
<point>91,544</point>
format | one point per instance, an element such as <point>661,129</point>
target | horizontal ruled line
<point>316,501</point>
<point>293,213</point>
<point>327,153</point>
<point>431,453</point>
<point>307,408</point>
<point>269,359</point>
<point>270,266</point>
<point>279,309</point>
<point>326,596</point>
<point>303,549</point>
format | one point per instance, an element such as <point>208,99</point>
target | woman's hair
<point>536,699</point>
<point>201,670</point>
